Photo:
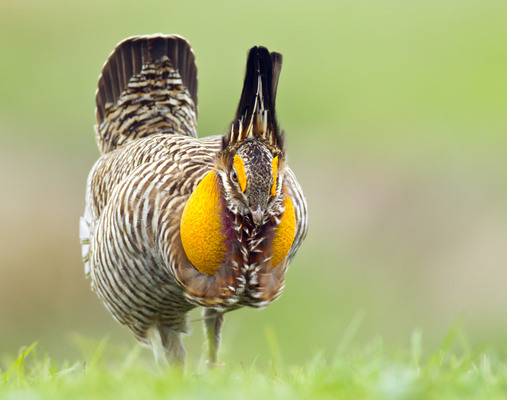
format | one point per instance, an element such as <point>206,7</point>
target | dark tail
<point>148,85</point>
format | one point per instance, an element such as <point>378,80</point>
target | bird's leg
<point>213,321</point>
<point>174,350</point>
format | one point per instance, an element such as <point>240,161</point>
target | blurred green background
<point>396,117</point>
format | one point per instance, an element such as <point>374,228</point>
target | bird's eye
<point>234,176</point>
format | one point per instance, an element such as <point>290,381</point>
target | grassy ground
<point>370,372</point>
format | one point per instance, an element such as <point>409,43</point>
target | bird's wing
<point>300,209</point>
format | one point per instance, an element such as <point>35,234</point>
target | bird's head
<point>252,178</point>
<point>251,162</point>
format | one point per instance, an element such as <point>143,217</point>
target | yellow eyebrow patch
<point>239,165</point>
<point>275,173</point>
<point>201,226</point>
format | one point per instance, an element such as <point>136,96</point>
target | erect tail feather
<point>148,85</point>
<point>256,115</point>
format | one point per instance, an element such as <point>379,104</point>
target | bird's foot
<point>213,365</point>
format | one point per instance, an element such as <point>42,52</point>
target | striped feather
<point>148,85</point>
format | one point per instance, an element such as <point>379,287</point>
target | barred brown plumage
<point>173,221</point>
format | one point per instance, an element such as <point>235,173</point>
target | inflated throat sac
<point>201,226</point>
<point>202,234</point>
<point>285,232</point>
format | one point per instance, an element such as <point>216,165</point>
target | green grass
<point>372,371</point>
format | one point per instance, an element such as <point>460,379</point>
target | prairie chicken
<point>173,221</point>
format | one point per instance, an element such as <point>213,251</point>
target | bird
<point>174,221</point>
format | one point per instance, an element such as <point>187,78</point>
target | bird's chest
<point>250,248</point>
<point>267,245</point>
<point>227,259</point>
<point>258,260</point>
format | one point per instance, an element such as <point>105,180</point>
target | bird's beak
<point>257,216</point>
